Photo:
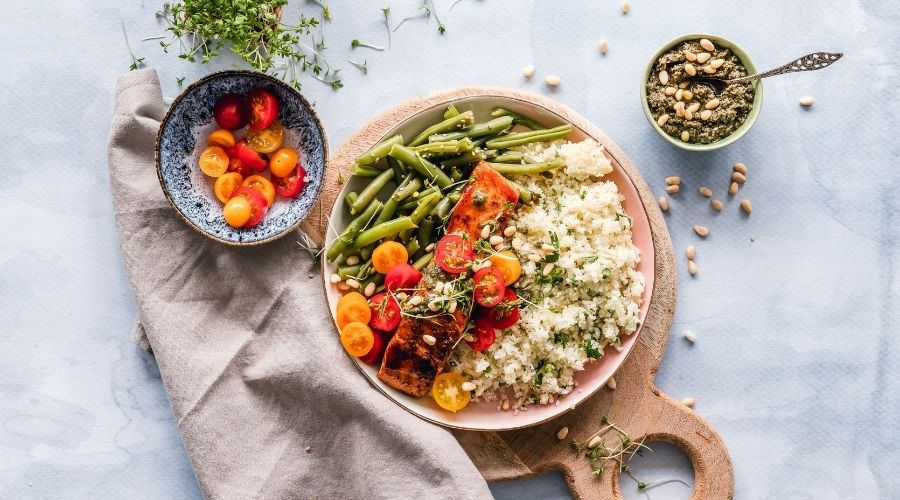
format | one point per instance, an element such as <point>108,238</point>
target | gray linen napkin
<point>267,403</point>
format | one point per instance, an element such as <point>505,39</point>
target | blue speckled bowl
<point>182,137</point>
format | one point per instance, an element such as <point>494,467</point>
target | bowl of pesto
<point>689,114</point>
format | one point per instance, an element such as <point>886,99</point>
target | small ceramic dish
<point>181,139</point>
<point>734,136</point>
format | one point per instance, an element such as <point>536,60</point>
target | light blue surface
<point>796,362</point>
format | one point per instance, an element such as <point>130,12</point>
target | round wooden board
<point>636,405</point>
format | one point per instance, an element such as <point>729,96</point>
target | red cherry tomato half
<point>377,350</point>
<point>484,335</point>
<point>453,253</point>
<point>231,111</point>
<point>292,185</point>
<point>258,204</point>
<point>385,312</point>
<point>505,314</point>
<point>402,277</point>
<point>263,109</point>
<point>489,286</point>
<point>250,157</point>
<point>236,165</point>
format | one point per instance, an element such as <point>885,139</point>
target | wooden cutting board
<point>636,405</point>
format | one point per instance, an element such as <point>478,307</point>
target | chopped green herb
<point>592,349</point>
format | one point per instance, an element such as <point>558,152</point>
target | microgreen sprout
<point>180,81</point>
<point>356,43</point>
<point>387,26</point>
<point>136,62</point>
<point>361,66</point>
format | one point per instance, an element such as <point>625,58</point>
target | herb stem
<point>136,62</point>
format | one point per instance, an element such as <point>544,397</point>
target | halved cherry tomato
<point>222,138</point>
<point>213,161</point>
<point>258,204</point>
<point>267,140</point>
<point>385,312</point>
<point>350,297</point>
<point>351,310</point>
<point>357,338</point>
<point>283,162</point>
<point>226,184</point>
<point>489,287</point>
<point>377,350</point>
<point>508,264</point>
<point>237,211</point>
<point>484,335</point>
<point>453,253</point>
<point>292,185</point>
<point>448,392</point>
<point>250,157</point>
<point>235,164</point>
<point>263,108</point>
<point>263,185</point>
<point>231,111</point>
<point>402,277</point>
<point>387,255</point>
<point>505,314</point>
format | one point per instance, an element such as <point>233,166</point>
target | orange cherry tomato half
<point>263,185</point>
<point>258,204</point>
<point>508,264</point>
<point>263,108</point>
<point>377,350</point>
<point>357,338</point>
<point>222,138</point>
<point>353,311</point>
<point>213,161</point>
<point>453,253</point>
<point>266,140</point>
<point>237,211</point>
<point>283,162</point>
<point>448,393</point>
<point>226,184</point>
<point>350,297</point>
<point>387,255</point>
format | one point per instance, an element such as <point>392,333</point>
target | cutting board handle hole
<point>666,462</point>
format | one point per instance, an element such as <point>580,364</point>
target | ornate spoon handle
<point>809,62</point>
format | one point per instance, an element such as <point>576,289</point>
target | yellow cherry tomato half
<point>213,161</point>
<point>237,211</point>
<point>263,185</point>
<point>353,311</point>
<point>448,392</point>
<point>226,184</point>
<point>357,338</point>
<point>222,138</point>
<point>387,255</point>
<point>283,162</point>
<point>266,140</point>
<point>508,265</point>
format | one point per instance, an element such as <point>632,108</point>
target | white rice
<point>596,300</point>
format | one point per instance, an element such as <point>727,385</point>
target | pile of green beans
<point>414,185</point>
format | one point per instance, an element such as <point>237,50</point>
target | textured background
<point>797,359</point>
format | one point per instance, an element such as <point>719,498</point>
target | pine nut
<point>611,383</point>
<point>679,112</point>
<point>712,103</point>
<point>496,239</point>
<point>688,95</point>
<point>673,189</point>
<point>663,77</point>
<point>716,204</point>
<point>430,247</point>
<point>694,107</point>
<point>685,135</point>
<point>548,269</point>
<point>709,70</point>
<point>664,204</point>
<point>528,71</point>
<point>534,257</point>
<point>370,289</point>
<point>689,402</point>
<point>547,247</point>
<point>662,120</point>
<point>595,442</point>
<point>683,85</point>
<point>692,267</point>
<point>807,101</point>
<point>604,46</point>
<point>738,177</point>
<point>705,114</point>
<point>690,336</point>
<point>671,90</point>
<point>469,338</point>
<point>415,300</point>
<point>342,286</point>
<point>671,181</point>
<point>562,433</point>
<point>433,306</point>
<point>706,44</point>
<point>625,7</point>
<point>429,339</point>
<point>467,386</point>
<point>690,56</point>
<point>452,307</point>
<point>740,167</point>
<point>733,188</point>
<point>679,105</point>
<point>403,296</point>
<point>688,115</point>
<point>334,278</point>
<point>505,404</point>
<point>486,232</point>
<point>352,283</point>
<point>705,191</point>
<point>701,231</point>
<point>690,69</point>
<point>552,80</point>
<point>717,63</point>
<point>747,206</point>
<point>691,252</point>
<point>703,57</point>
<point>679,94</point>
<point>509,231</point>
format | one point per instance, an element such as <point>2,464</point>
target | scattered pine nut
<point>547,247</point>
<point>335,278</point>
<point>705,114</point>
<point>670,91</point>
<point>673,180</point>
<point>706,44</point>
<point>690,69</point>
<point>352,283</point>
<point>611,383</point>
<point>746,206</point>
<point>701,231</point>
<point>430,247</point>
<point>688,95</point>
<point>496,239</point>
<point>685,135</point>
<point>505,404</point>
<point>467,386</point>
<point>709,70</point>
<point>712,103</point>
<point>625,7</point>
<point>595,442</point>
<point>673,189</point>
<point>415,300</point>
<point>528,71</point>
<point>342,286</point>
<point>705,191</point>
<point>717,205</point>
<point>552,80</point>
<point>663,77</point>
<point>691,252</point>
<point>486,232</point>
<point>738,177</point>
<point>548,269</point>
<point>509,231</point>
<point>689,402</point>
<point>690,56</point>
<point>690,336</point>
<point>692,267</point>
<point>662,120</point>
<point>703,57</point>
<point>679,94</point>
<point>807,101</point>
<point>717,63</point>
<point>562,433</point>
<point>370,289</point>
<point>733,188</point>
<point>740,167</point>
<point>429,339</point>
<point>604,46</point>
<point>308,449</point>
<point>352,260</point>
<point>664,204</point>
<point>688,115</point>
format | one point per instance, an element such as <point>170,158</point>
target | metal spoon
<point>809,62</point>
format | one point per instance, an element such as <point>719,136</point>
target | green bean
<point>465,159</point>
<point>423,261</point>
<point>384,230</point>
<point>350,198</point>
<point>349,271</point>
<point>517,118</point>
<point>425,208</point>
<point>387,212</point>
<point>454,122</point>
<point>366,252</point>
<point>398,168</point>
<point>451,112</point>
<point>414,202</point>
<point>424,234</point>
<point>371,191</point>
<point>379,151</point>
<point>456,174</point>
<point>364,171</point>
<point>412,246</point>
<point>454,197</point>
<point>508,157</point>
<point>442,209</point>
<point>342,242</point>
<point>549,134</point>
<point>447,148</point>
<point>494,126</point>
<point>403,192</point>
<point>525,194</point>
<point>528,168</point>
<point>421,165</point>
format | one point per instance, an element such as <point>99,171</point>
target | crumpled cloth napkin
<point>267,403</point>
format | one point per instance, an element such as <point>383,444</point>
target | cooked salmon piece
<point>410,364</point>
